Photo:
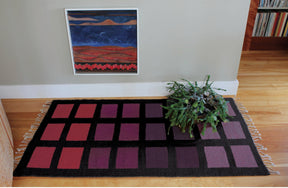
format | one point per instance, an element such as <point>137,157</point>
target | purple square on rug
<point>129,131</point>
<point>233,130</point>
<point>104,132</point>
<point>99,158</point>
<point>243,156</point>
<point>131,110</point>
<point>156,157</point>
<point>209,134</point>
<point>230,110</point>
<point>154,110</point>
<point>179,135</point>
<point>127,158</point>
<point>216,157</point>
<point>187,157</point>
<point>155,131</point>
<point>109,111</point>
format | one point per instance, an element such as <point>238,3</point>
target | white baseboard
<point>139,89</point>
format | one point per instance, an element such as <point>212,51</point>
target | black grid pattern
<point>141,144</point>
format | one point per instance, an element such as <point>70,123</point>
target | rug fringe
<point>27,137</point>
<point>256,136</point>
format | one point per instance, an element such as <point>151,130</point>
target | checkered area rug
<point>117,138</point>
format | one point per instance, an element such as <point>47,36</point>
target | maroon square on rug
<point>117,138</point>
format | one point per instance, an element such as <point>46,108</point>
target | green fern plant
<point>190,104</point>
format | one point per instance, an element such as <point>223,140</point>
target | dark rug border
<point>172,171</point>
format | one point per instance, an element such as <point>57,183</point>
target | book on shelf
<point>273,3</point>
<point>270,24</point>
<point>284,23</point>
<point>275,24</point>
<point>255,24</point>
<point>286,30</point>
<point>279,24</point>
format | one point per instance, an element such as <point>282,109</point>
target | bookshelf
<point>267,25</point>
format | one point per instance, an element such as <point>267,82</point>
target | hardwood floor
<point>263,90</point>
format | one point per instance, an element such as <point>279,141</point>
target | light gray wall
<point>177,39</point>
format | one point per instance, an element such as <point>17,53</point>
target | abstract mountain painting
<point>103,41</point>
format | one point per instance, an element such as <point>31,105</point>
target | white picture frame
<point>103,41</point>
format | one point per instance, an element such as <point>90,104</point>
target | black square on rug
<point>118,138</point>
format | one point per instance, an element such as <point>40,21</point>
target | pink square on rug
<point>99,158</point>
<point>155,131</point>
<point>62,111</point>
<point>187,157</point>
<point>104,132</point>
<point>179,135</point>
<point>216,157</point>
<point>131,110</point>
<point>243,156</point>
<point>70,158</point>
<point>153,110</point>
<point>53,131</point>
<point>209,134</point>
<point>233,130</point>
<point>230,110</point>
<point>78,132</point>
<point>129,131</point>
<point>109,111</point>
<point>127,158</point>
<point>157,157</point>
<point>41,157</point>
<point>86,111</point>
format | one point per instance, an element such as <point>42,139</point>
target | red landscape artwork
<point>103,41</point>
<point>108,58</point>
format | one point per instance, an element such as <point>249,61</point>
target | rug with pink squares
<point>125,138</point>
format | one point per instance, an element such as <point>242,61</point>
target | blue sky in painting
<point>102,35</point>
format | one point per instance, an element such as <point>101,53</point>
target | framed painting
<point>103,41</point>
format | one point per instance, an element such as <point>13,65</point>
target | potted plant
<point>189,104</point>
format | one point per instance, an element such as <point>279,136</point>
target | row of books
<point>273,3</point>
<point>271,24</point>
